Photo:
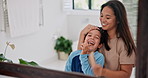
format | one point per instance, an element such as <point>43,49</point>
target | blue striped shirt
<point>78,62</point>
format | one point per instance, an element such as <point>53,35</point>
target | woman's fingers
<point>97,69</point>
<point>88,28</point>
<point>91,27</point>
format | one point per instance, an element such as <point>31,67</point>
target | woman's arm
<point>88,28</point>
<point>125,72</point>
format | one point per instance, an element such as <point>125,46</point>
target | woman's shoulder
<point>120,42</point>
<point>121,47</point>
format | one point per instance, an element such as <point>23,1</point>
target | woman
<point>120,58</point>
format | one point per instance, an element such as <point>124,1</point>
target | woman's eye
<point>89,35</point>
<point>108,18</point>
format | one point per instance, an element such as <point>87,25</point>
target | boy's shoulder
<point>98,54</point>
<point>77,52</point>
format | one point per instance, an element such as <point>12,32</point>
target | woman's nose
<point>102,19</point>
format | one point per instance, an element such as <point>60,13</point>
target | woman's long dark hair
<point>104,38</point>
<point>122,27</point>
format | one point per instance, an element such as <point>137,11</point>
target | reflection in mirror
<point>78,22</point>
<point>39,45</point>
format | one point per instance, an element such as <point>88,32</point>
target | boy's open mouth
<point>91,42</point>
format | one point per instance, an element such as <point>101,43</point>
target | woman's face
<point>108,19</point>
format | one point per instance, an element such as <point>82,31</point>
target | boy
<point>78,60</point>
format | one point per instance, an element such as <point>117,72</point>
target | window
<point>3,16</point>
<point>88,4</point>
<point>80,4</point>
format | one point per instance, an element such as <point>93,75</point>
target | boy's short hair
<point>103,39</point>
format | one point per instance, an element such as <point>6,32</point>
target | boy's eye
<point>97,37</point>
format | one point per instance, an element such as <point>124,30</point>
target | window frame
<point>89,6</point>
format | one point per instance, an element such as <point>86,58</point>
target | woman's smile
<point>104,25</point>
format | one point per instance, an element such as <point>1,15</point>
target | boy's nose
<point>92,37</point>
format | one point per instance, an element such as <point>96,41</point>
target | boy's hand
<point>85,48</point>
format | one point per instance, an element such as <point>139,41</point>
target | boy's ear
<point>100,45</point>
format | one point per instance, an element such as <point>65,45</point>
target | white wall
<point>77,22</point>
<point>38,46</point>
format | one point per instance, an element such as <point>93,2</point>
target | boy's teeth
<point>103,24</point>
<point>91,43</point>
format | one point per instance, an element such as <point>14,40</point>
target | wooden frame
<point>24,71</point>
<point>142,43</point>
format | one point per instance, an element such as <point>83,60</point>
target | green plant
<point>21,61</point>
<point>4,59</point>
<point>3,56</point>
<point>63,45</point>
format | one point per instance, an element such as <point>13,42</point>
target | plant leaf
<point>23,62</point>
<point>63,45</point>
<point>3,59</point>
<point>32,63</point>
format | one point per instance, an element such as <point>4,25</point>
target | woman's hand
<point>97,69</point>
<point>88,28</point>
<point>124,72</point>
